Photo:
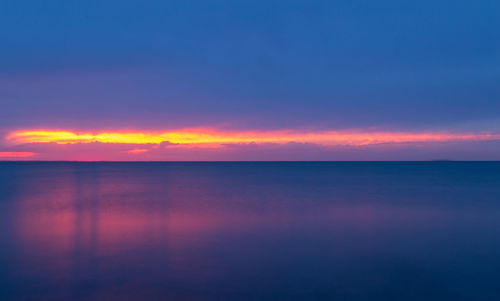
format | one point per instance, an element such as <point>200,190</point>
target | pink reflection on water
<point>70,221</point>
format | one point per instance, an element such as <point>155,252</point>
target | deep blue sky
<point>397,65</point>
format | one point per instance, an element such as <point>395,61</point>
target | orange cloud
<point>17,154</point>
<point>215,137</point>
<point>137,151</point>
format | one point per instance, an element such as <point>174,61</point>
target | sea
<point>250,231</point>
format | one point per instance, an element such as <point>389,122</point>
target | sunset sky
<point>249,80</point>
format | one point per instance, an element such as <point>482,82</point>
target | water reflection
<point>263,231</point>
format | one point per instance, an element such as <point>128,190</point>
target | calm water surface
<point>250,231</point>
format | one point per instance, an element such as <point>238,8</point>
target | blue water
<point>250,231</point>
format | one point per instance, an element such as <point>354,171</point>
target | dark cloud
<point>476,150</point>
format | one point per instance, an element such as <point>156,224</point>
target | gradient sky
<point>254,69</point>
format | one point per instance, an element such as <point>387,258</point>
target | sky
<point>249,80</point>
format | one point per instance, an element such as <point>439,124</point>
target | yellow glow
<point>212,137</point>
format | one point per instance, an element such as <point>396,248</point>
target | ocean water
<point>250,231</point>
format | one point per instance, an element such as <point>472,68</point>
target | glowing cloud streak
<point>137,151</point>
<point>206,137</point>
<point>17,154</point>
